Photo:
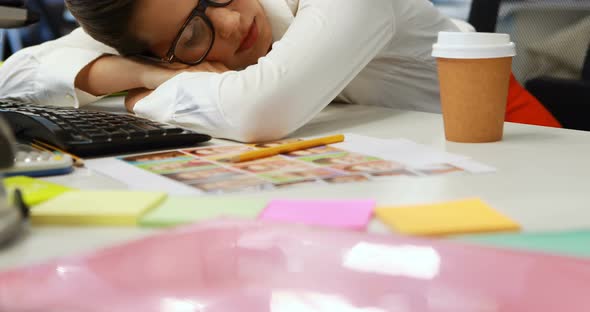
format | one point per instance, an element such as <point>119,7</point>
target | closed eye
<point>194,36</point>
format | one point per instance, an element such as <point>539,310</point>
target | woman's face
<point>242,30</point>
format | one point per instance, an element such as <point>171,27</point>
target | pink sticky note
<point>349,214</point>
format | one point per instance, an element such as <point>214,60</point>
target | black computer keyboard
<point>93,133</point>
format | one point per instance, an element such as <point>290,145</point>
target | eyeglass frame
<point>199,10</point>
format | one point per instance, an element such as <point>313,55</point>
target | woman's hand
<point>135,95</point>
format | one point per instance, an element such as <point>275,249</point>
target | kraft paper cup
<point>474,74</point>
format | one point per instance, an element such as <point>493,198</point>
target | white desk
<point>543,180</point>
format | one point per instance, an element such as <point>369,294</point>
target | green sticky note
<point>177,210</point>
<point>572,243</point>
<point>116,208</point>
<point>34,191</point>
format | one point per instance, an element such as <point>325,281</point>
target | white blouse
<point>373,52</point>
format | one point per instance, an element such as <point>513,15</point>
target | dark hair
<point>108,21</point>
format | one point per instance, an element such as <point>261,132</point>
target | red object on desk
<point>524,108</point>
<point>253,266</point>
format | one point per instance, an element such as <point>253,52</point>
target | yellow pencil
<point>78,162</point>
<point>41,148</point>
<point>286,148</point>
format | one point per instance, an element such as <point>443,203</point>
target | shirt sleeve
<point>326,46</point>
<point>45,74</point>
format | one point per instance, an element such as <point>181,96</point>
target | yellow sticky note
<point>34,191</point>
<point>117,208</point>
<point>455,217</point>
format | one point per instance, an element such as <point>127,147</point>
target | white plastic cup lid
<point>473,45</point>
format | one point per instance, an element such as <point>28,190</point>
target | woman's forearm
<point>110,73</point>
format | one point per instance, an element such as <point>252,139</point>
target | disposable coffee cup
<point>474,74</point>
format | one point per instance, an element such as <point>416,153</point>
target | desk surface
<point>542,180</point>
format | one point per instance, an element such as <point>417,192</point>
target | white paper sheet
<point>403,151</point>
<point>138,179</point>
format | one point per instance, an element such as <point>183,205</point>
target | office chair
<point>14,15</point>
<point>567,99</point>
<point>52,25</point>
<point>484,15</point>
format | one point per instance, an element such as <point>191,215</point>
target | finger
<point>134,96</point>
<point>129,103</point>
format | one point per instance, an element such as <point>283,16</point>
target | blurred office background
<point>55,22</point>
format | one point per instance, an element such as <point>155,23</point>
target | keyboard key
<point>118,134</point>
<point>149,129</point>
<point>136,134</point>
<point>77,137</point>
<point>94,135</point>
<point>172,129</point>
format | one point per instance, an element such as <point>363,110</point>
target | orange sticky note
<point>455,217</point>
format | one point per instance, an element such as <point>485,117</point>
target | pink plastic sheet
<point>255,266</point>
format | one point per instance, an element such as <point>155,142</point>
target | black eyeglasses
<point>196,36</point>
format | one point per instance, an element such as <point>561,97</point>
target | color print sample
<point>235,184</point>
<point>395,173</point>
<point>347,179</point>
<point>440,169</point>
<point>320,150</point>
<point>204,168</point>
<point>282,177</point>
<point>154,157</point>
<point>337,159</point>
<point>373,166</point>
<point>177,164</point>
<point>218,152</point>
<point>204,174</point>
<point>277,163</point>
